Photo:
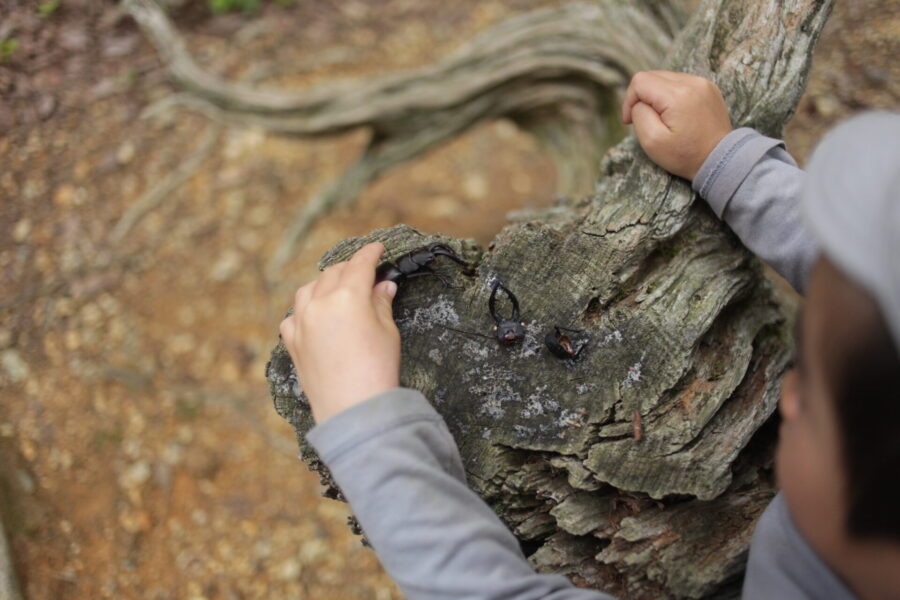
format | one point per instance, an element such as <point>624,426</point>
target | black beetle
<point>415,264</point>
<point>560,345</point>
<point>507,331</point>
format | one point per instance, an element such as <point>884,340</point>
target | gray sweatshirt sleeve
<point>753,184</point>
<point>401,471</point>
<point>782,564</point>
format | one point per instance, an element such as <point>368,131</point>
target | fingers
<point>328,280</point>
<point>669,75</point>
<point>648,87</point>
<point>286,329</point>
<point>648,125</point>
<point>288,326</point>
<point>360,272</point>
<point>382,300</point>
<point>303,295</point>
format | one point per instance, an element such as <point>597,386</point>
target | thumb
<point>648,126</point>
<point>383,298</point>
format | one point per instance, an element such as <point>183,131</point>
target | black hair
<point>866,389</point>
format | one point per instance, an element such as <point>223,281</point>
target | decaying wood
<point>555,72</point>
<point>684,332</point>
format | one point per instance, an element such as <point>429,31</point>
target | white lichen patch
<point>489,283</point>
<point>493,407</point>
<point>494,386</point>
<point>584,388</point>
<point>435,355</point>
<point>571,418</point>
<point>423,318</point>
<point>287,384</point>
<point>538,403</point>
<point>634,372</point>
<point>476,349</point>
<point>440,397</point>
<point>533,342</point>
<point>523,432</point>
<point>533,407</point>
<point>614,336</point>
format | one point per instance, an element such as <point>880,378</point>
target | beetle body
<point>415,264</point>
<point>561,346</point>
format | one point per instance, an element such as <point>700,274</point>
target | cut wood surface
<point>641,467</point>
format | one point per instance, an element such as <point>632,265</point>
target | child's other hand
<point>342,336</point>
<point>678,118</point>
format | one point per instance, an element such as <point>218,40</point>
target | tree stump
<point>641,467</point>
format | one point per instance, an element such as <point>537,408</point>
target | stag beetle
<point>560,345</point>
<point>507,331</point>
<point>415,263</point>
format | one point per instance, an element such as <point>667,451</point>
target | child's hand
<point>342,336</point>
<point>678,118</point>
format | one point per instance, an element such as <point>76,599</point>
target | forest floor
<point>140,455</point>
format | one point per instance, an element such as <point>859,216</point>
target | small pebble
<point>125,153</point>
<point>288,570</point>
<point>14,365</point>
<point>22,230</point>
<point>135,475</point>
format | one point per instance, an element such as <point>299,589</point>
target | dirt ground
<point>140,456</point>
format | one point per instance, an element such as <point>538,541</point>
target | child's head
<point>839,452</point>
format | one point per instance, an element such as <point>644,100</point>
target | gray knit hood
<point>851,201</point>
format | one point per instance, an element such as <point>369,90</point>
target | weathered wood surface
<point>555,72</point>
<point>684,331</point>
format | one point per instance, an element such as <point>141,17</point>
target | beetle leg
<point>444,280</point>
<point>426,270</point>
<point>567,329</point>
<point>442,250</point>
<point>421,273</point>
<point>466,332</point>
<point>512,298</point>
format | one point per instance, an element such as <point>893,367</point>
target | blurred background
<point>140,455</point>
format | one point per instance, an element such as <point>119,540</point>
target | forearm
<point>399,468</point>
<point>754,185</point>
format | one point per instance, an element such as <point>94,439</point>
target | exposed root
<point>556,72</point>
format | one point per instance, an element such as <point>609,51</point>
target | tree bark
<point>641,467</point>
